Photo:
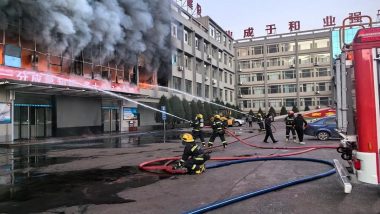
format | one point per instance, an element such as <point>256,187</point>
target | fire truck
<point>357,78</point>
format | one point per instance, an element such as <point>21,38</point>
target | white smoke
<point>115,30</point>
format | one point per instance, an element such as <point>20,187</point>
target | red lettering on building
<point>329,21</point>
<point>355,17</point>
<point>271,29</point>
<point>229,33</point>
<point>190,4</point>
<point>199,10</point>
<point>248,32</point>
<point>294,25</point>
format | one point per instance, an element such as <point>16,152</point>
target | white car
<point>239,122</point>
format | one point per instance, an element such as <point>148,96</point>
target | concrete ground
<point>102,177</point>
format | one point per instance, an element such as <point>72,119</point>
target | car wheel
<point>237,124</point>
<point>322,135</point>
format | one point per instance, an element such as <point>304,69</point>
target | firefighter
<point>198,124</point>
<point>260,121</point>
<point>217,130</point>
<point>193,157</point>
<point>290,126</point>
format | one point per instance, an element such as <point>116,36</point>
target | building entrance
<point>32,121</point>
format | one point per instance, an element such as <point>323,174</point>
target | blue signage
<point>163,108</point>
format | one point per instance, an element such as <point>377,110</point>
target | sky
<point>237,15</point>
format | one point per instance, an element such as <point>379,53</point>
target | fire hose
<point>147,166</point>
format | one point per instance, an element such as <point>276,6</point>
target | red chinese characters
<point>248,32</point>
<point>199,10</point>
<point>229,33</point>
<point>294,25</point>
<point>271,29</point>
<point>355,17</point>
<point>329,21</point>
<point>190,4</point>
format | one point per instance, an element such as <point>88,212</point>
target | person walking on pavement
<point>289,121</point>
<point>198,124</point>
<point>300,123</point>
<point>193,157</point>
<point>217,130</point>
<point>268,129</point>
<point>250,120</point>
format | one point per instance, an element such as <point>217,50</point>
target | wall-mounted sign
<point>5,113</point>
<point>129,113</point>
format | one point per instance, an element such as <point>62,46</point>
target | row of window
<point>284,75</point>
<point>288,102</point>
<point>177,59</point>
<point>284,47</point>
<point>289,61</point>
<point>286,88</point>
<point>216,92</point>
<point>215,34</point>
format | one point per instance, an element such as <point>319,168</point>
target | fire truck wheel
<point>323,135</point>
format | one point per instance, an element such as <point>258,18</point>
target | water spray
<point>195,97</point>
<point>116,95</point>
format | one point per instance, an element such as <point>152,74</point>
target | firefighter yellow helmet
<point>217,116</point>
<point>199,116</point>
<point>188,138</point>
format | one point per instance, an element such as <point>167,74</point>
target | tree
<point>272,111</point>
<point>260,111</point>
<point>307,108</point>
<point>186,109</point>
<point>194,109</point>
<point>163,102</point>
<point>201,109</point>
<point>251,112</point>
<point>207,110</point>
<point>295,109</point>
<point>283,111</point>
<point>176,109</point>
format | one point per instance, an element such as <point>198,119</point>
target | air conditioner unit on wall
<point>180,68</point>
<point>209,57</point>
<point>206,78</point>
<point>240,96</point>
<point>240,83</point>
<point>316,64</point>
<point>292,66</point>
<point>214,82</point>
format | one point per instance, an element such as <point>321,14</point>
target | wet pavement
<point>101,176</point>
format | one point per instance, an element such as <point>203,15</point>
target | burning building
<point>56,58</point>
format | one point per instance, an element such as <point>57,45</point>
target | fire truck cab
<point>357,78</point>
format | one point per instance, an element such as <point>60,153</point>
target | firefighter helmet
<point>290,112</point>
<point>188,138</point>
<point>217,116</point>
<point>199,116</point>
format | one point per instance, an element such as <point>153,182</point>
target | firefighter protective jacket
<point>289,121</point>
<point>192,150</point>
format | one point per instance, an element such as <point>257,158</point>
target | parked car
<point>323,128</point>
<point>239,122</point>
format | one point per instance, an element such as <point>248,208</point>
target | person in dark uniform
<point>217,130</point>
<point>260,121</point>
<point>289,121</point>
<point>300,123</point>
<point>268,129</point>
<point>193,157</point>
<point>198,124</point>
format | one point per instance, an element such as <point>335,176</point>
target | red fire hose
<point>152,165</point>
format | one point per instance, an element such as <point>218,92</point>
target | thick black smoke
<point>115,30</point>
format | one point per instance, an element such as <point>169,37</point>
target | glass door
<point>106,120</point>
<point>114,120</point>
<point>24,122</point>
<point>40,122</point>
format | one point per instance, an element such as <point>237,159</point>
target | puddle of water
<point>42,192</point>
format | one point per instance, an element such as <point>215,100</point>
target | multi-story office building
<point>203,59</point>
<point>291,69</point>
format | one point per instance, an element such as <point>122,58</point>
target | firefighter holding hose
<point>193,157</point>
<point>198,124</point>
<point>217,130</point>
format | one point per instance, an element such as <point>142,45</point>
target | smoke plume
<point>114,30</point>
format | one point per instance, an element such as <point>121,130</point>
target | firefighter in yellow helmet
<point>193,157</point>
<point>198,124</point>
<point>217,130</point>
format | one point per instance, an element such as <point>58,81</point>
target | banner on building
<point>5,113</point>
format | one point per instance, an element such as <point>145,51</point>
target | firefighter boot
<point>210,144</point>
<point>224,144</point>
<point>203,144</point>
<point>200,169</point>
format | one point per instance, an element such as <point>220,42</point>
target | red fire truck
<point>357,78</point>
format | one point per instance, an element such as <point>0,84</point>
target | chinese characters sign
<point>7,73</point>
